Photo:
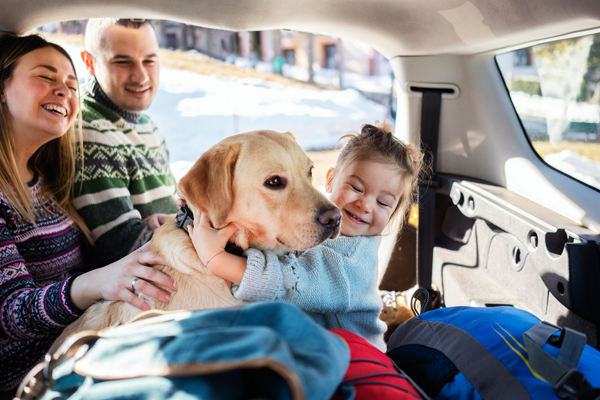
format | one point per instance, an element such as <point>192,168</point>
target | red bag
<point>371,374</point>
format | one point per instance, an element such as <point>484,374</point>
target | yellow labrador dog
<point>260,181</point>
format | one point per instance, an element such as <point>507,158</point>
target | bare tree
<point>339,55</point>
<point>311,57</point>
<point>277,50</point>
<point>159,26</point>
<point>183,33</point>
<point>209,39</point>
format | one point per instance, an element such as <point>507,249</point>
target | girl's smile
<point>367,192</point>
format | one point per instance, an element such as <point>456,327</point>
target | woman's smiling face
<point>367,192</point>
<point>40,98</point>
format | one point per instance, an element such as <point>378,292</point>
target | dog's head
<point>261,181</point>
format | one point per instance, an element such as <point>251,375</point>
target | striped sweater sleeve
<point>125,179</point>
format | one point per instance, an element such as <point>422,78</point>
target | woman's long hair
<point>54,161</point>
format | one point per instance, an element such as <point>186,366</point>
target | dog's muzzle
<point>330,219</point>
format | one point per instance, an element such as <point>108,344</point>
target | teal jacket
<point>260,350</point>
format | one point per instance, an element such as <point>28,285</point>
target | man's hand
<point>180,200</point>
<point>156,220</point>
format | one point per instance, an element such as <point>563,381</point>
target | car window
<point>555,89</point>
<point>219,83</point>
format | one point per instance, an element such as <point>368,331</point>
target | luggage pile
<point>274,351</point>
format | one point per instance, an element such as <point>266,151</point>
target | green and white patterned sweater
<point>126,178</point>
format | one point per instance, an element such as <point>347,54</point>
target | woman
<point>41,235</point>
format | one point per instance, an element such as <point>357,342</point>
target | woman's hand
<point>114,282</point>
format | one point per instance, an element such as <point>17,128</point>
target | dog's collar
<point>184,217</point>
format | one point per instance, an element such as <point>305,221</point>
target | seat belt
<point>430,125</point>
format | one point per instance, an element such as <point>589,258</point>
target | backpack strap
<point>560,372</point>
<point>453,342</point>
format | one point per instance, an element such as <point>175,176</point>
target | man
<point>126,187</point>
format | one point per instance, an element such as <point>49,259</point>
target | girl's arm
<point>333,277</point>
<point>316,280</point>
<point>210,246</point>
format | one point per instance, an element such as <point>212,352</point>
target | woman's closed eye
<point>49,79</point>
<point>383,204</point>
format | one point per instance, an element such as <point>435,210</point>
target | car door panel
<point>497,248</point>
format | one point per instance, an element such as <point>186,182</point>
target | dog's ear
<point>208,184</point>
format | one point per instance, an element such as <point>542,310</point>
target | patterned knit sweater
<point>36,271</point>
<point>335,283</point>
<point>126,178</point>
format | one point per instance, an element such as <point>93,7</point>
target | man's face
<point>127,66</point>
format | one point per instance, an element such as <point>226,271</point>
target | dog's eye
<point>275,182</point>
<point>310,172</point>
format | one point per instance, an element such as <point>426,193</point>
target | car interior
<point>498,224</point>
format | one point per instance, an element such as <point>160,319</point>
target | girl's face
<point>367,192</point>
<point>40,98</point>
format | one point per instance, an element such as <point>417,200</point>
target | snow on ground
<point>579,167</point>
<point>542,107</point>
<point>196,111</point>
<point>330,77</point>
<point>535,110</point>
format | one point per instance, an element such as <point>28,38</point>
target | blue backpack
<point>495,353</point>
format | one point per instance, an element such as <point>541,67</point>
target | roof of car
<point>394,27</point>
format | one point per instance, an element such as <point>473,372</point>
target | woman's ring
<point>133,284</point>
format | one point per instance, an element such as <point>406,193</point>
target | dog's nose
<point>330,217</point>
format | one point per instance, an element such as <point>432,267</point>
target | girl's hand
<point>210,246</point>
<point>114,282</point>
<point>209,242</point>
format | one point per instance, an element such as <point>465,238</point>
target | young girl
<point>335,283</point>
<point>41,235</point>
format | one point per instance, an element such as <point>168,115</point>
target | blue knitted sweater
<point>335,283</point>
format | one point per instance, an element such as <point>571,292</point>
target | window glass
<point>555,88</point>
<point>289,56</point>
<point>330,56</point>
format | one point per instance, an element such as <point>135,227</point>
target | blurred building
<point>298,55</point>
